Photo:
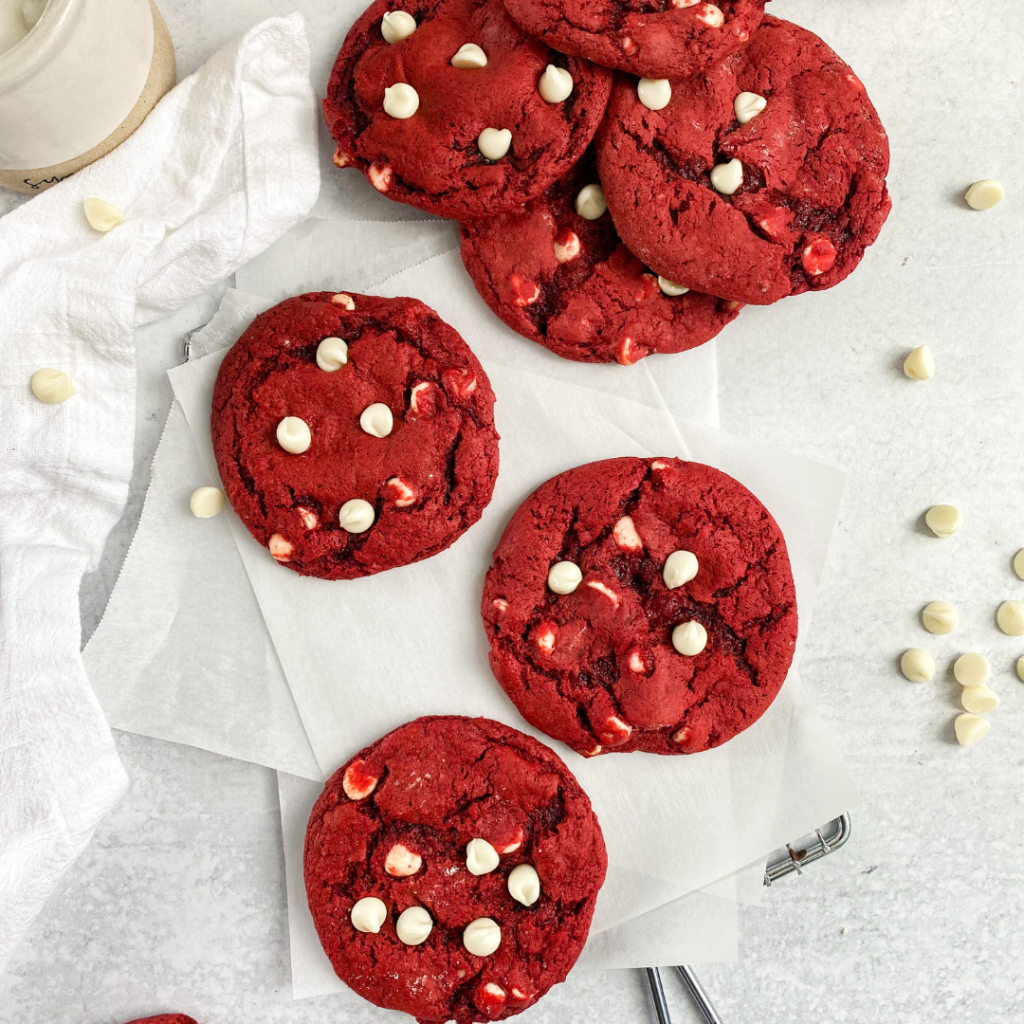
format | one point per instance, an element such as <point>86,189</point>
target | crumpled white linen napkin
<point>224,165</point>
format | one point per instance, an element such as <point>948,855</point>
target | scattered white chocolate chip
<point>727,178</point>
<point>494,143</point>
<point>1018,563</point>
<point>206,502</point>
<point>490,998</point>
<point>943,520</point>
<point>524,884</point>
<point>293,435</point>
<point>515,841</point>
<point>356,782</point>
<point>356,515</point>
<point>680,567</point>
<point>377,420</point>
<point>917,665</point>
<point>972,670</point>
<point>567,246</point>
<point>340,158</point>
<point>625,535</point>
<point>331,354</point>
<point>343,300</point>
<point>417,394</point>
<point>1020,668</point>
<point>396,26</point>
<point>711,15</point>
<point>413,926</point>
<point>1011,618</point>
<point>670,287</point>
<point>52,386</point>
<point>555,84</point>
<point>469,55</point>
<point>970,729</point>
<point>545,640</point>
<point>978,700</point>
<point>984,194</point>
<point>637,663</point>
<point>101,215</point>
<point>920,365</point>
<point>280,548</point>
<point>689,638</point>
<point>368,914</point>
<point>482,936</point>
<point>401,862</point>
<point>310,520</point>
<point>481,857</point>
<point>590,202</point>
<point>654,93</point>
<point>404,494</point>
<point>748,105</point>
<point>401,101</point>
<point>605,591</point>
<point>940,617</point>
<point>380,177</point>
<point>564,577</point>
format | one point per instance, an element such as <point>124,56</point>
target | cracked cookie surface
<point>430,788</point>
<point>569,283</point>
<point>427,481</point>
<point>596,667</point>
<point>431,160</point>
<point>814,160</point>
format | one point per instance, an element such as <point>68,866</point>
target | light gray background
<point>179,901</point>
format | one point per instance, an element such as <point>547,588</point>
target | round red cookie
<point>415,490</point>
<point>811,195</point>
<point>395,823</point>
<point>165,1018</point>
<point>597,667</point>
<point>569,283</point>
<point>431,159</point>
<point>649,38</point>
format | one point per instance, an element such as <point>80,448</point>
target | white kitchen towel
<point>224,165</point>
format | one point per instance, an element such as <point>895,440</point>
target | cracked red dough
<point>427,481</point>
<point>431,160</point>
<point>650,38</point>
<point>165,1018</point>
<point>813,192</point>
<point>569,283</point>
<point>597,668</point>
<point>432,786</point>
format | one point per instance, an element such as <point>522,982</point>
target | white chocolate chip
<point>481,857</point>
<point>637,663</point>
<point>356,515</point>
<point>368,914</point>
<point>555,84</point>
<point>984,194</point>
<point>52,386</point>
<point>280,548</point>
<point>376,420</point>
<point>380,177</point>
<point>747,106</point>
<point>625,356</point>
<point>978,700</point>
<point>940,617</point>
<point>689,638</point>
<point>401,101</point>
<point>356,782</point>
<point>1018,563</point>
<point>482,936</point>
<point>417,393</point>
<point>920,364</point>
<point>605,591</point>
<point>524,884</point>
<point>491,998</point>
<point>680,567</point>
<point>943,520</point>
<point>331,354</point>
<point>404,494</point>
<point>670,287</point>
<point>625,535</point>
<point>340,158</point>
<point>590,202</point>
<point>1011,618</point>
<point>206,502</point>
<point>727,178</point>
<point>564,577</point>
<point>101,215</point>
<point>711,15</point>
<point>494,143</point>
<point>396,26</point>
<point>567,246</point>
<point>972,670</point>
<point>414,926</point>
<point>309,518</point>
<point>401,862</point>
<point>469,55</point>
<point>293,435</point>
<point>545,640</point>
<point>343,300</point>
<point>654,93</point>
<point>681,4</point>
<point>516,841</point>
<point>917,665</point>
<point>970,729</point>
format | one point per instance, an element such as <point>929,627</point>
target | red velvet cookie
<point>641,604</point>
<point>452,869</point>
<point>650,38</point>
<point>440,148</point>
<point>568,283</point>
<point>785,202</point>
<point>354,434</point>
<point>165,1018</point>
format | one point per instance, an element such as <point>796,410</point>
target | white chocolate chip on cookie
<point>494,143</point>
<point>626,536</point>
<point>482,936</point>
<point>401,862</point>
<point>481,857</point>
<point>727,178</point>
<point>654,93</point>
<point>564,577</point>
<point>376,420</point>
<point>670,287</point>
<point>590,202</point>
<point>524,884</point>
<point>401,101</point>
<point>293,435</point>
<point>356,515</point>
<point>414,926</point>
<point>747,106</point>
<point>358,783</point>
<point>396,26</point>
<point>469,55</point>
<point>555,84</point>
<point>680,567</point>
<point>368,914</point>
<point>689,638</point>
<point>331,354</point>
